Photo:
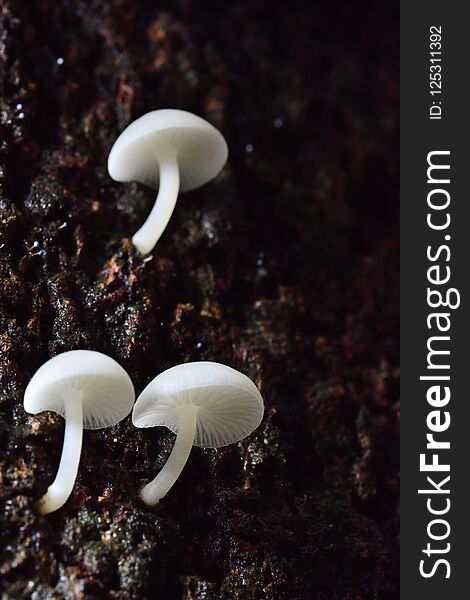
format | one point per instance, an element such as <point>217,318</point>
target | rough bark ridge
<point>285,267</point>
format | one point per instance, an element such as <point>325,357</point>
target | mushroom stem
<point>148,235</point>
<point>59,491</point>
<point>154,491</point>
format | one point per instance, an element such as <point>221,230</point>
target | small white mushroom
<point>207,404</point>
<point>90,390</point>
<point>173,148</point>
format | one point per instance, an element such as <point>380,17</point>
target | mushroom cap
<point>230,405</point>
<point>97,380</point>
<point>201,149</point>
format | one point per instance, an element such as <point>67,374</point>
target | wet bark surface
<point>285,267</point>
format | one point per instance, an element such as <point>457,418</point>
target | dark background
<point>419,136</point>
<point>285,267</point>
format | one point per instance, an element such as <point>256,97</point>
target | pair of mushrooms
<point>206,404</point>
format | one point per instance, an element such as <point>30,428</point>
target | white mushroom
<point>90,390</point>
<point>173,148</point>
<point>207,404</point>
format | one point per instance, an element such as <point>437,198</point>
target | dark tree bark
<point>285,267</point>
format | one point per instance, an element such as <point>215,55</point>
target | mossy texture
<point>285,267</point>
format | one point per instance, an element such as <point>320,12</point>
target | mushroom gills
<point>154,491</point>
<point>61,488</point>
<point>148,235</point>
